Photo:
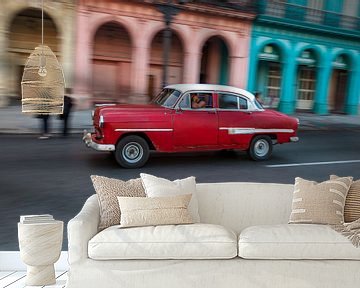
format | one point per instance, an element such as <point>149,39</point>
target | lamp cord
<point>42,22</point>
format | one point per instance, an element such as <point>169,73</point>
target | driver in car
<point>196,102</point>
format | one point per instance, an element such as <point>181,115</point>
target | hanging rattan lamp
<point>43,82</point>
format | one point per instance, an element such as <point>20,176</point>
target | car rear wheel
<point>260,148</point>
<point>132,152</point>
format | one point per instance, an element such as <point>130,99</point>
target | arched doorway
<point>175,63</point>
<point>24,36</point>
<point>306,80</point>
<point>214,62</point>
<point>269,75</point>
<point>338,89</point>
<point>111,64</point>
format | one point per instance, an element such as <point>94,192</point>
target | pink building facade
<point>119,49</point>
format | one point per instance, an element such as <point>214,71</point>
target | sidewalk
<point>13,121</point>
<point>310,121</point>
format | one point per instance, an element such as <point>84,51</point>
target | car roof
<point>224,88</point>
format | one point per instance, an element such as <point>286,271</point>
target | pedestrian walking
<point>44,118</point>
<point>68,103</point>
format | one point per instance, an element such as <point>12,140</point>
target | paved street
<point>12,121</point>
<point>52,176</point>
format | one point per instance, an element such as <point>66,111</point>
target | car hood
<point>129,107</point>
<point>131,113</point>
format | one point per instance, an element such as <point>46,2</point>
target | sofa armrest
<point>82,228</point>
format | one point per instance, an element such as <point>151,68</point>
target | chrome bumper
<point>294,139</point>
<point>87,139</point>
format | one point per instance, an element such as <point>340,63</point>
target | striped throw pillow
<point>319,203</point>
<point>352,202</point>
<point>145,211</point>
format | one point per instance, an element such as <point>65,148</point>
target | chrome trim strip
<point>235,110</point>
<point>145,129</point>
<point>103,105</point>
<point>233,130</point>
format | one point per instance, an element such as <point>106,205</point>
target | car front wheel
<point>260,148</point>
<point>132,152</point>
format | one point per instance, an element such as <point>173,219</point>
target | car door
<point>195,127</point>
<point>236,121</point>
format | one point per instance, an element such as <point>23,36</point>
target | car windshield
<point>167,97</point>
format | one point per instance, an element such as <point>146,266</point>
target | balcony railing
<point>241,5</point>
<point>305,15</point>
<point>244,5</point>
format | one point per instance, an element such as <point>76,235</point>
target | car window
<point>167,97</point>
<point>201,100</point>
<point>230,101</point>
<point>185,102</point>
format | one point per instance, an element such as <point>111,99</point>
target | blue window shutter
<point>333,10</point>
<point>293,11</point>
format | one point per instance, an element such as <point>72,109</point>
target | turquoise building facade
<point>305,55</point>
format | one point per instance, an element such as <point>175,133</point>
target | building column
<point>4,67</point>
<point>287,95</point>
<point>140,62</point>
<point>237,77</point>
<point>192,62</point>
<point>192,55</point>
<point>83,65</point>
<point>322,87</point>
<point>239,61</point>
<point>353,94</point>
<point>67,44</point>
<point>139,67</point>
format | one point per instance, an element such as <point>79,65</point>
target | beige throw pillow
<point>107,190</point>
<point>138,211</point>
<point>320,203</point>
<point>160,187</point>
<point>352,202</point>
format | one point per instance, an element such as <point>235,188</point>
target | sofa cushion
<point>107,189</point>
<point>352,202</point>
<point>192,241</point>
<point>319,203</point>
<point>160,187</point>
<point>300,241</point>
<point>145,211</point>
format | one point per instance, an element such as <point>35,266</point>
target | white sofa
<point>270,252</point>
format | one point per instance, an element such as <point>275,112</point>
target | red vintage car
<point>190,117</point>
